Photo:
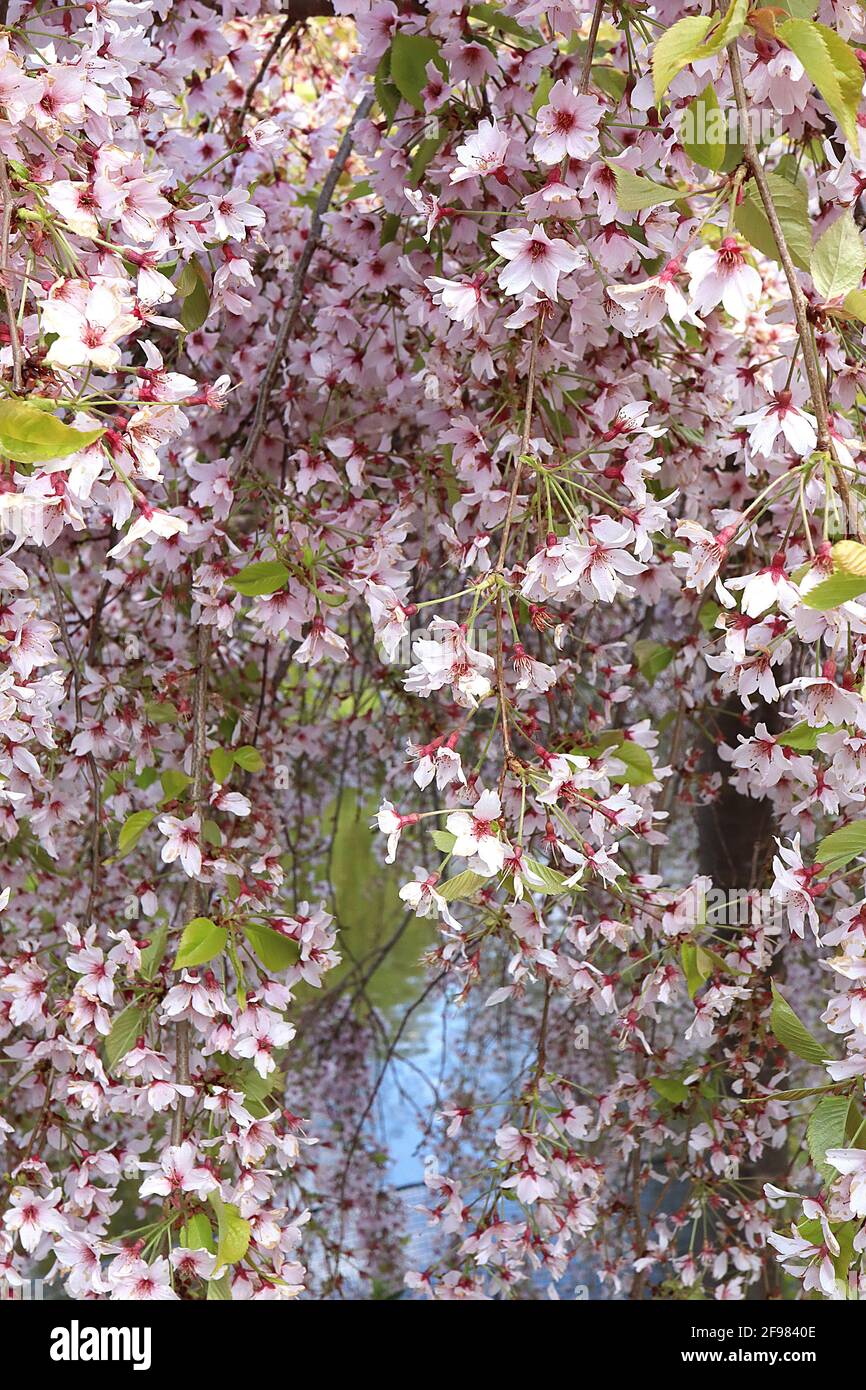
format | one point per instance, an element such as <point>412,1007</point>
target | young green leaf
<point>695,971</point>
<point>233,1232</point>
<point>410,54</point>
<point>461,886</point>
<point>541,878</point>
<point>841,846</point>
<point>634,193</point>
<point>249,758</point>
<point>802,736</point>
<point>832,66</point>
<point>850,557</point>
<point>792,208</point>
<point>839,258</point>
<point>151,956</point>
<point>200,941</point>
<point>827,1129</point>
<point>197,1234</point>
<point>125,1030</point>
<point>275,951</point>
<point>693,39</point>
<point>221,763</point>
<point>675,50</point>
<point>704,130</point>
<point>638,764</point>
<point>855,304</point>
<point>264,577</point>
<point>832,592</point>
<point>669,1088</point>
<point>28,434</point>
<point>173,783</point>
<point>194,289</point>
<point>793,1034</point>
<point>132,830</point>
<point>652,658</point>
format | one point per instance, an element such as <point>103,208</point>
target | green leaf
<point>173,783</point>
<point>542,91</point>
<point>827,1129</point>
<point>386,93</point>
<point>705,131</point>
<point>801,736</point>
<point>610,79</point>
<point>832,66</point>
<point>793,1034</point>
<point>275,951</point>
<point>732,25</point>
<point>675,50</point>
<point>197,1234</point>
<point>193,287</point>
<point>541,878</point>
<point>634,193</point>
<point>222,761</point>
<point>838,589</point>
<point>249,758</point>
<point>709,960</point>
<point>493,16</point>
<point>211,834</point>
<point>256,1090</point>
<point>850,557</point>
<point>264,577</point>
<point>799,1093</point>
<point>651,658</point>
<point>697,970</point>
<point>792,207</point>
<point>125,1030</point>
<point>698,965</point>
<point>151,956</point>
<point>161,711</point>
<point>219,1290</point>
<point>841,846</point>
<point>461,886</point>
<point>686,43</point>
<point>638,764</point>
<point>444,840</point>
<point>233,1232</point>
<point>132,829</point>
<point>423,156</point>
<point>855,303</point>
<point>200,941</point>
<point>707,614</point>
<point>839,258</point>
<point>28,434</point>
<point>670,1089</point>
<point>410,54</point>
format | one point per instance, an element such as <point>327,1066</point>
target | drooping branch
<point>314,236</point>
<point>801,314</point>
<point>199,749</point>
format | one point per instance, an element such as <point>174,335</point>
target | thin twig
<point>314,235</point>
<point>5,274</point>
<point>503,544</point>
<point>801,313</point>
<point>287,24</point>
<point>199,749</point>
<point>586,73</point>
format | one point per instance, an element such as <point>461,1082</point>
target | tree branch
<point>807,343</point>
<point>313,238</point>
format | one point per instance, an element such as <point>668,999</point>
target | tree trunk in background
<point>735,836</point>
